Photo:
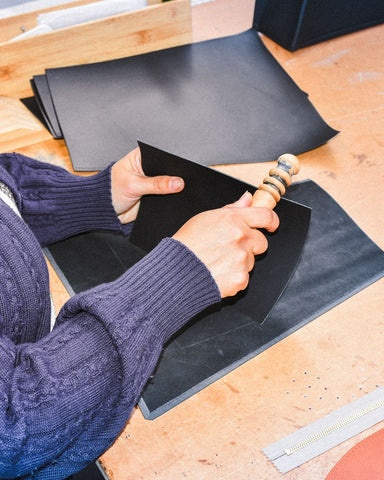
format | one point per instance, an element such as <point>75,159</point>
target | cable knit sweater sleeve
<point>65,398</point>
<point>57,204</point>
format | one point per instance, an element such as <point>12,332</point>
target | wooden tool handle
<point>273,186</point>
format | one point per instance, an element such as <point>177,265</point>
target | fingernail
<point>176,184</point>
<point>245,195</point>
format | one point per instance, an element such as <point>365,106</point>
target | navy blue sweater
<point>65,395</point>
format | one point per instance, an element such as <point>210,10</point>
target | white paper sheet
<point>9,9</point>
<point>87,13</point>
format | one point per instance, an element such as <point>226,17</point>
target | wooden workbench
<point>337,358</point>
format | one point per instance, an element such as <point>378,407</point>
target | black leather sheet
<point>34,108</point>
<point>44,101</point>
<point>220,101</point>
<point>336,261</point>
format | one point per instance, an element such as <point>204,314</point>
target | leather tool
<point>274,186</point>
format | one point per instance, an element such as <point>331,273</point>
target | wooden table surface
<point>335,359</point>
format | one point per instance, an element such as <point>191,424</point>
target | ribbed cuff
<point>170,285</point>
<point>85,203</point>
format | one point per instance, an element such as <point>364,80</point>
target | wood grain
<point>155,27</point>
<point>18,127</point>
<point>13,26</point>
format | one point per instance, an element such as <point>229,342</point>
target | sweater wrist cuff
<point>87,204</point>
<point>171,285</point>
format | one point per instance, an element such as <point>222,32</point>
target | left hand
<point>129,184</point>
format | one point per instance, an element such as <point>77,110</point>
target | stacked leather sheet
<point>217,102</point>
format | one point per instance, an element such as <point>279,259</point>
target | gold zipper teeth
<point>342,423</point>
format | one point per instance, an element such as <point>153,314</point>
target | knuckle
<point>264,243</point>
<point>157,184</point>
<point>239,258</point>
<point>242,256</point>
<point>244,282</point>
<point>264,214</point>
<point>261,244</point>
<point>241,280</point>
<point>268,215</point>
<point>231,214</point>
<point>251,263</point>
<point>237,233</point>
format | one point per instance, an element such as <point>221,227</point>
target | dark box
<point>295,24</point>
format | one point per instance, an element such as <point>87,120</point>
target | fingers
<point>260,217</point>
<point>256,217</point>
<point>259,243</point>
<point>130,170</point>
<point>267,219</point>
<point>244,201</point>
<point>227,239</point>
<point>132,161</point>
<point>160,185</point>
<point>135,160</point>
<point>129,183</point>
<point>176,184</point>
<point>254,242</point>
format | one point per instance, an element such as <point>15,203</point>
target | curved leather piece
<point>206,189</point>
<point>364,461</point>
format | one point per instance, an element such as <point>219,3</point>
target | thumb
<point>244,201</point>
<point>160,185</point>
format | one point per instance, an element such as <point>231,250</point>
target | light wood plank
<point>18,127</point>
<point>14,26</point>
<point>152,28</point>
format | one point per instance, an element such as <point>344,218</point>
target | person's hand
<point>129,184</point>
<point>226,240</point>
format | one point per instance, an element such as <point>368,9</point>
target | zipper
<point>332,428</point>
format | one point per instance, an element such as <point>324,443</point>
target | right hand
<point>226,240</point>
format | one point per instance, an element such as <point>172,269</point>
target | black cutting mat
<point>337,260</point>
<point>220,101</point>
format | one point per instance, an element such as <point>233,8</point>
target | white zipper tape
<point>327,432</point>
